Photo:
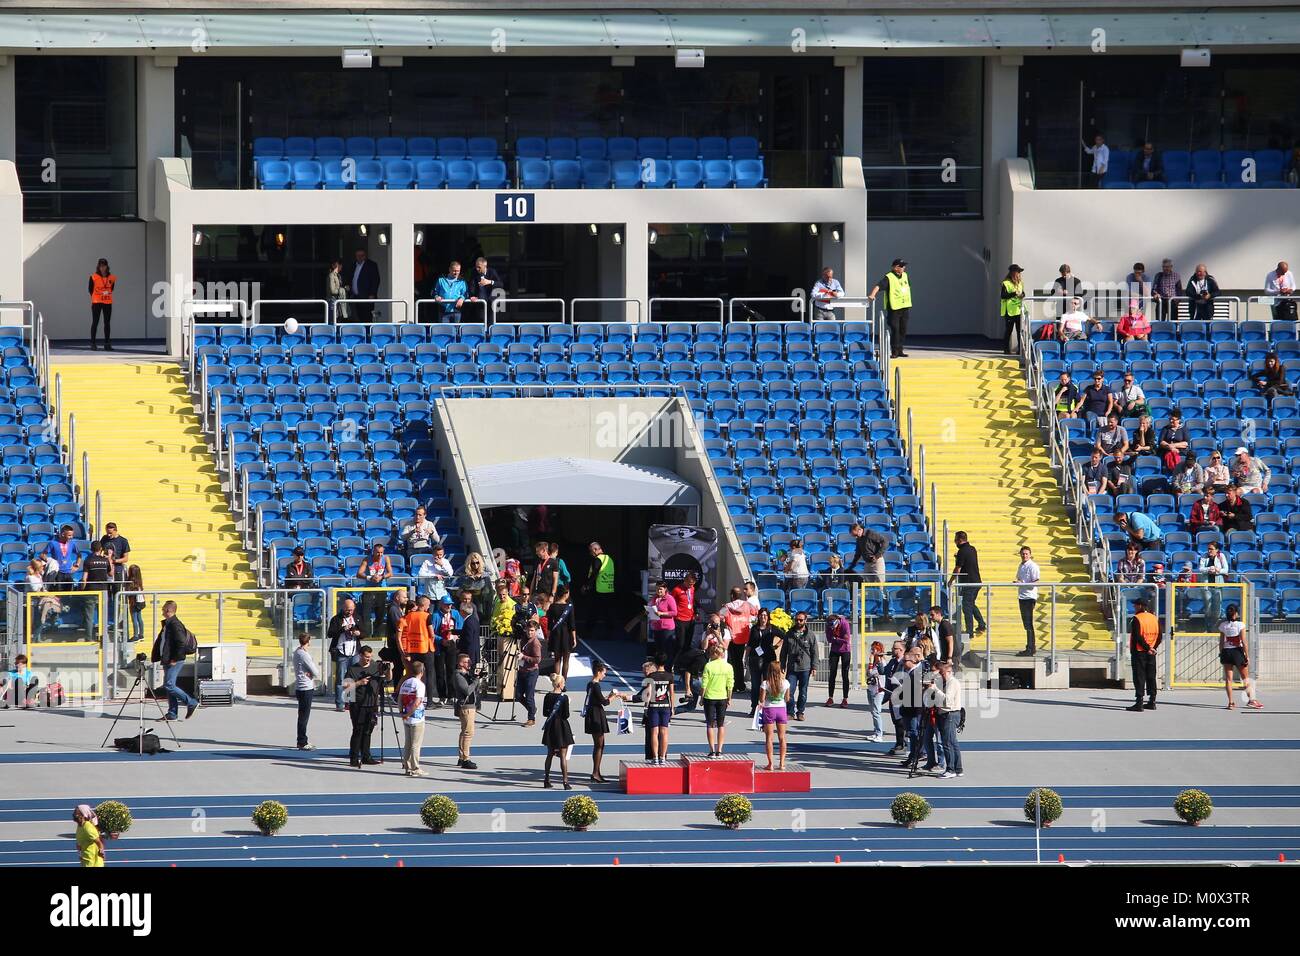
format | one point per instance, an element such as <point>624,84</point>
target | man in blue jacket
<point>451,291</point>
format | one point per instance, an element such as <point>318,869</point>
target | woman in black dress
<point>561,635</point>
<point>557,735</point>
<point>596,722</point>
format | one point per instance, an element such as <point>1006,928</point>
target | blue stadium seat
<point>530,147</point>
<point>452,147</point>
<point>391,147</point>
<point>620,147</point>
<point>483,148</point>
<point>596,173</point>
<point>491,174</point>
<point>330,147</point>
<point>267,148</point>
<point>370,174</point>
<point>431,174</point>
<point>274,174</point>
<point>361,147</point>
<point>749,173</point>
<point>534,174</point>
<point>687,174</point>
<point>566,174</point>
<point>461,174</point>
<point>419,148</point>
<point>652,147</point>
<point>561,147</point>
<point>718,173</point>
<point>398,174</point>
<point>744,147</point>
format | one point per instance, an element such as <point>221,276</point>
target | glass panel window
<point>923,136</point>
<point>76,142</point>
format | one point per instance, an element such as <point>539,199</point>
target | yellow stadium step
<point>993,479</point>
<point>157,481</point>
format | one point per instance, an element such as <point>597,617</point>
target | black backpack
<point>145,743</point>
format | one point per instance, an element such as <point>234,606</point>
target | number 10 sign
<point>515,207</point>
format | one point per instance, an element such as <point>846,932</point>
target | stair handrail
<point>70,452</point>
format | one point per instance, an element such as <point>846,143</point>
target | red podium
<point>696,773</point>
<point>726,774</point>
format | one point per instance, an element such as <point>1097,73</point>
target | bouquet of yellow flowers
<point>781,619</point>
<point>502,618</point>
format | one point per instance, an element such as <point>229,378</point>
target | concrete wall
<point>632,210</point>
<point>11,231</point>
<point>946,263</point>
<point>1240,234</point>
<point>57,258</point>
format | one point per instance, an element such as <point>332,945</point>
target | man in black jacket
<point>471,642</point>
<point>798,659</point>
<point>484,283</point>
<point>1147,167</point>
<point>97,574</point>
<point>367,679</point>
<point>946,646</point>
<point>344,633</point>
<point>464,692</point>
<point>966,572</point>
<point>364,284</point>
<point>870,550</point>
<point>171,649</point>
<point>1201,292</point>
<point>392,652</point>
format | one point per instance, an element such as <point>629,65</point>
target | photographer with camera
<point>464,692</point>
<point>366,679</point>
<point>344,633</point>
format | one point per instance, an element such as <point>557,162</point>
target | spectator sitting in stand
<point>1250,474</point>
<point>1133,325</point>
<point>1217,475</point>
<point>297,574</point>
<point>1236,511</point>
<point>1188,478</point>
<point>1173,440</point>
<point>1130,400</point>
<point>1147,167</point>
<point>1271,379</point>
<point>419,536</point>
<point>1075,324</point>
<point>1140,528</point>
<point>1137,282</point>
<point>1066,396</point>
<point>1205,514</point>
<point>1096,402</point>
<point>1144,440</point>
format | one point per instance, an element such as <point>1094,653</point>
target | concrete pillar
<point>853,80</point>
<point>636,263</point>
<point>401,269</point>
<point>8,110</point>
<point>155,127</point>
<point>1001,142</point>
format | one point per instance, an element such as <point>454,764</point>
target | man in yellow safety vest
<point>898,304</point>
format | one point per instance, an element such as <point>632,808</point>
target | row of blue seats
<point>754,485</point>
<point>535,333</point>
<point>324,148</point>
<point>1231,372</point>
<point>382,174</point>
<point>1207,184</point>
<point>1182,168</point>
<point>402,510</point>
<point>1189,330</point>
<point>39,521</point>
<point>31,493</point>
<point>493,174</point>
<point>643,173</point>
<point>425,353</point>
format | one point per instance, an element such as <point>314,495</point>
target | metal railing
<point>797,305</point>
<point>327,313</point>
<point>843,302</point>
<point>333,310</point>
<point>1114,305</point>
<point>437,319</point>
<point>603,300</point>
<point>698,300</point>
<point>500,304</point>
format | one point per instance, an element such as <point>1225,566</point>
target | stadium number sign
<point>515,207</point>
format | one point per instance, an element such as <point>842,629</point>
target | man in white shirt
<point>411,696</point>
<point>824,290</point>
<point>946,692</point>
<point>420,535</point>
<point>1100,154</point>
<point>1075,322</point>
<point>1280,283</point>
<point>435,573</point>
<point>1027,576</point>
<point>751,595</point>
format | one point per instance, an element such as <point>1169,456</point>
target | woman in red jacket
<point>100,286</point>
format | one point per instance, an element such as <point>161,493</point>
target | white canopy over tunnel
<point>579,481</point>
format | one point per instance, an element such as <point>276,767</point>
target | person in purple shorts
<point>773,699</point>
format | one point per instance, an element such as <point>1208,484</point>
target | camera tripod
<point>510,655</point>
<point>139,683</point>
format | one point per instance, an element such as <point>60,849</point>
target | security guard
<point>898,304</point>
<point>1144,639</point>
<point>1013,295</point>
<point>100,286</point>
<point>600,585</point>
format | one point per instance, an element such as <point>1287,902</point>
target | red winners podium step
<point>696,773</point>
<point>641,776</point>
<point>726,774</point>
<point>793,779</point>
